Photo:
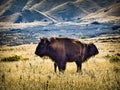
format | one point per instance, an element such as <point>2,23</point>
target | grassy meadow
<point>30,72</point>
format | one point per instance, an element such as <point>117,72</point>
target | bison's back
<point>70,47</point>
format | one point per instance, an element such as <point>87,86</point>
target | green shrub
<point>12,58</point>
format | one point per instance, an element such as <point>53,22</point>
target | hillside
<point>61,10</point>
<point>110,14</point>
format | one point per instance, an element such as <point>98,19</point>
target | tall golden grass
<point>38,74</point>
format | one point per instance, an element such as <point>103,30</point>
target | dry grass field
<point>31,72</point>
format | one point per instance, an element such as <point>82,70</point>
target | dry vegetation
<point>34,73</point>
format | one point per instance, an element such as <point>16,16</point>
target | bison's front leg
<point>55,67</point>
<point>79,65</point>
<point>62,66</point>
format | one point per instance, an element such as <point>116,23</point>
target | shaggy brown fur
<point>63,50</point>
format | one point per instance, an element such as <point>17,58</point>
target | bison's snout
<point>97,52</point>
<point>36,53</point>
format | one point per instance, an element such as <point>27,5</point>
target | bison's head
<point>92,49</point>
<point>42,47</point>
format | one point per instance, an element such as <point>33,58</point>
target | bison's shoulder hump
<point>66,39</point>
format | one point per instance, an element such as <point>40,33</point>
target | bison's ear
<point>52,39</point>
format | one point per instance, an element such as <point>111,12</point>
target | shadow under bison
<point>63,50</point>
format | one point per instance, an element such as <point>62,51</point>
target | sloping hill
<point>114,10</point>
<point>62,10</point>
<point>11,18</point>
<point>46,5</point>
<point>66,11</point>
<point>24,16</point>
<point>13,6</point>
<point>108,14</point>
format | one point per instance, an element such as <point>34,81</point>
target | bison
<point>63,50</point>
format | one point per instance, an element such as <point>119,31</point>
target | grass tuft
<point>115,58</point>
<point>12,58</point>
